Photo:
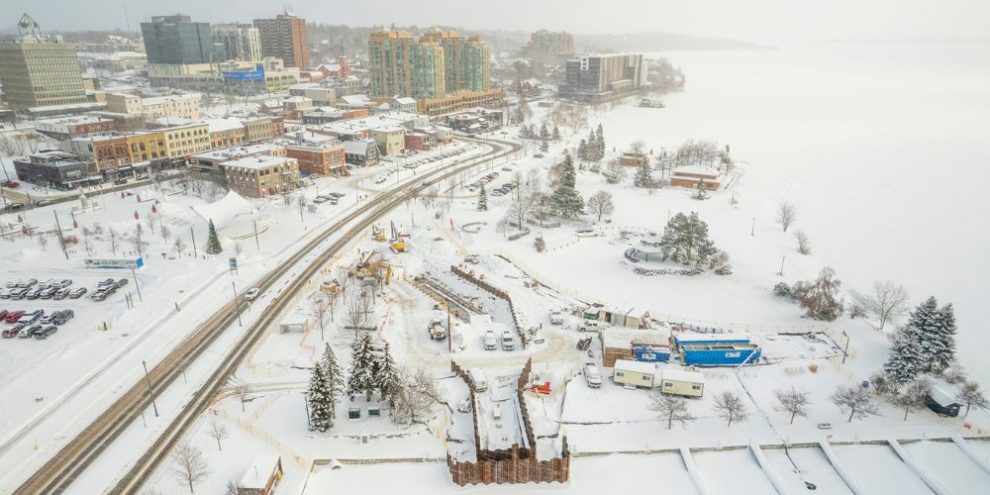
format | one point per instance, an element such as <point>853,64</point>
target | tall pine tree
<point>599,144</point>
<point>905,359</point>
<point>388,379</point>
<point>361,379</point>
<point>321,409</point>
<point>213,242</point>
<point>927,343</point>
<point>331,369</point>
<point>482,199</point>
<point>566,201</point>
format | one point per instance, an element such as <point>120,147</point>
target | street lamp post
<point>151,394</point>
<point>237,306</point>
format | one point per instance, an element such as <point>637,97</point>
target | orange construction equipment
<point>541,388</point>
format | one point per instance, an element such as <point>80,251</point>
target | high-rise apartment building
<point>402,65</point>
<point>547,47</point>
<point>38,70</point>
<point>466,60</point>
<point>596,78</point>
<point>175,39</point>
<point>238,41</point>
<point>284,37</point>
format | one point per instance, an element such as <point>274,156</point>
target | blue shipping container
<point>651,353</point>
<point>708,339</point>
<point>719,355</point>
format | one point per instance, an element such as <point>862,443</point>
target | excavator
<point>397,242</point>
<point>377,233</point>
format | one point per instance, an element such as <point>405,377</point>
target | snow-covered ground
<point>849,136</point>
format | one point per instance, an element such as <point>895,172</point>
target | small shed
<point>942,403</point>
<point>620,343</point>
<point>626,317</point>
<point>719,354</point>
<point>634,373</point>
<point>261,476</point>
<point>294,323</point>
<point>682,382</point>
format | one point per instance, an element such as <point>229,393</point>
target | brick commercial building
<point>225,133</point>
<point>108,152</point>
<point>324,159</point>
<point>146,146</point>
<point>284,37</point>
<point>186,140</point>
<point>66,128</point>
<point>391,140</point>
<point>262,176</point>
<point>598,78</point>
<point>262,128</point>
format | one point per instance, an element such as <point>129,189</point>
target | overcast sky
<point>751,20</point>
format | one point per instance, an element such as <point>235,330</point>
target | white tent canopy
<point>227,211</point>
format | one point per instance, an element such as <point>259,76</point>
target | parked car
<point>77,293</point>
<point>106,282</point>
<point>34,293</point>
<point>12,332</point>
<point>31,317</point>
<point>65,283</point>
<point>11,184</point>
<point>63,316</point>
<point>556,317</point>
<point>45,332</point>
<point>13,206</point>
<point>18,293</point>
<point>120,283</point>
<point>44,202</point>
<point>592,376</point>
<point>251,294</point>
<point>508,341</point>
<point>47,318</point>
<point>48,293</point>
<point>29,331</point>
<point>320,199</point>
<point>3,314</point>
<point>27,283</point>
<point>46,283</point>
<point>61,294</point>
<point>490,340</point>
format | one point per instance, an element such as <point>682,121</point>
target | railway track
<point>58,473</point>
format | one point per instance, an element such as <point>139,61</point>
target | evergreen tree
<point>592,142</point>
<point>905,359</point>
<point>335,377</point>
<point>388,378</point>
<point>567,174</point>
<point>361,378</point>
<point>643,177</point>
<point>685,240</point>
<point>599,144</point>
<point>566,201</point>
<point>933,329</point>
<point>319,395</point>
<point>556,133</point>
<point>482,199</point>
<point>544,131</point>
<point>583,150</point>
<point>213,243</point>
<point>544,146</point>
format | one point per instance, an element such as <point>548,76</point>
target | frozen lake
<point>883,148</point>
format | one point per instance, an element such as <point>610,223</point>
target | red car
<point>3,314</point>
<point>12,184</point>
<point>13,316</point>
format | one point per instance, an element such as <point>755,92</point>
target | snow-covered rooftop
<point>220,125</point>
<point>257,161</point>
<point>635,366</point>
<point>680,375</point>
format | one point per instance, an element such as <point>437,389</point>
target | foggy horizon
<point>759,21</point>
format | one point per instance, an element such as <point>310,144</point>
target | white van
<point>479,379</point>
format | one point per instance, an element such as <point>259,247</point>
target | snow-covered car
<point>508,341</point>
<point>251,294</point>
<point>489,340</point>
<point>592,376</point>
<point>556,317</point>
<point>320,199</point>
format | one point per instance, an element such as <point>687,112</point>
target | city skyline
<point>758,21</point>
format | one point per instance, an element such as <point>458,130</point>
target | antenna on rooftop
<point>28,26</point>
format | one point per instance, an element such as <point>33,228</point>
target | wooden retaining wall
<point>499,293</point>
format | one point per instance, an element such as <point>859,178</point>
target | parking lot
<point>20,314</point>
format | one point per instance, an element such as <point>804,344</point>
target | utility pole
<point>136,285</point>
<point>151,394</point>
<point>845,351</point>
<point>752,230</point>
<point>450,332</point>
<point>257,244</point>
<point>237,307</point>
<point>193,234</point>
<point>61,240</point>
<point>781,272</point>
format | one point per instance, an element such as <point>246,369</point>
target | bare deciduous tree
<point>913,395</point>
<point>179,246</point>
<point>358,308</point>
<point>670,409</point>
<point>786,213</point>
<point>730,407</point>
<point>43,241</point>
<point>794,402</point>
<point>803,243</point>
<point>856,400</point>
<point>219,432</point>
<point>601,204</point>
<point>189,465</point>
<point>971,396</point>
<point>887,300</point>
<point>415,398</point>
